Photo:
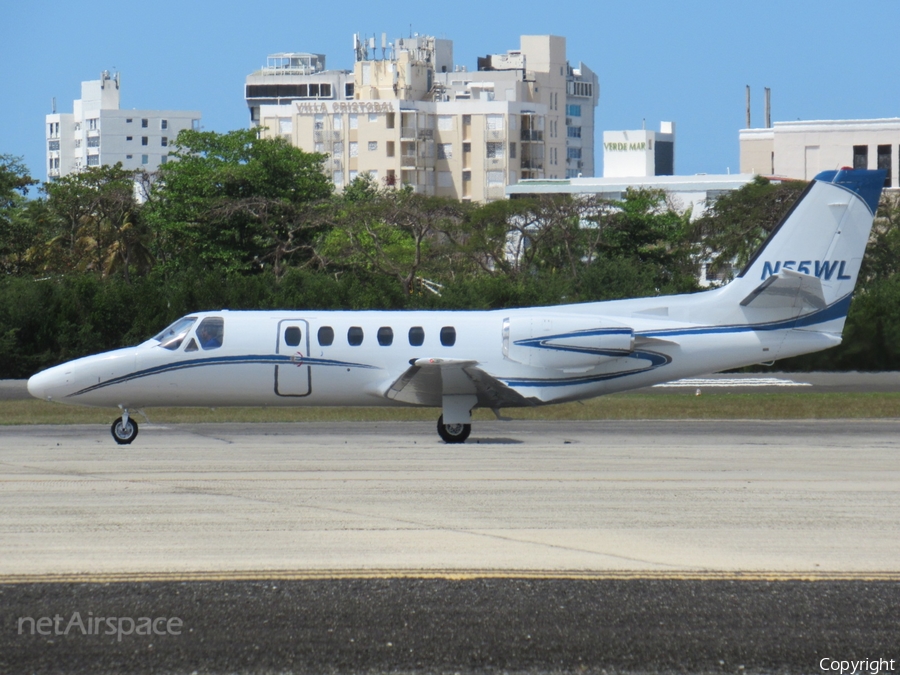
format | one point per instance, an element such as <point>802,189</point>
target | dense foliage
<point>106,257</point>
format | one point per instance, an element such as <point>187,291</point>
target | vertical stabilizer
<point>822,238</point>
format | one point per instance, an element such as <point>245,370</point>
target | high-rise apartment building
<point>412,117</point>
<point>98,133</point>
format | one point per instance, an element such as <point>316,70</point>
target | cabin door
<point>293,376</point>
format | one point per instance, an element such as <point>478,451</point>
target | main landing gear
<point>124,430</point>
<point>452,433</point>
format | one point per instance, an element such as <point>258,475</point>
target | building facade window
<point>860,156</point>
<point>494,150</point>
<point>884,162</point>
<point>164,124</point>
<point>512,150</point>
<point>573,132</point>
<point>445,151</point>
<point>164,141</point>
<point>145,140</point>
<point>573,153</point>
<point>92,123</point>
<point>373,146</point>
<point>145,123</point>
<point>495,122</point>
<point>354,149</point>
<point>145,159</point>
<point>445,122</point>
<point>573,110</point>
<point>93,141</point>
<point>93,160</point>
<point>354,121</point>
<point>338,148</point>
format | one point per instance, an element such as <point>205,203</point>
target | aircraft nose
<point>40,384</point>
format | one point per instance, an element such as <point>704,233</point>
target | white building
<point>803,149</point>
<point>685,192</point>
<point>412,117</point>
<point>98,133</point>
<point>639,153</point>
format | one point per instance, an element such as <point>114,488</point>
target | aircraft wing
<point>428,380</point>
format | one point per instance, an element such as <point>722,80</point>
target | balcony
<point>532,135</point>
<point>494,192</point>
<point>495,135</point>
<point>408,133</point>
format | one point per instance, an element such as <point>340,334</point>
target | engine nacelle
<point>563,341</point>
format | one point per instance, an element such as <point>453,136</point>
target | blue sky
<point>685,61</point>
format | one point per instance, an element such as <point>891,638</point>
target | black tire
<point>123,434</point>
<point>453,433</point>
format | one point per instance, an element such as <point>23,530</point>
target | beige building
<point>803,149</point>
<point>411,117</point>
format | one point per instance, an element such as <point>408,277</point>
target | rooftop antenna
<point>748,107</point>
<point>768,108</point>
<point>383,44</point>
<point>53,105</point>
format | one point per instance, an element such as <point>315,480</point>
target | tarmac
<point>536,547</point>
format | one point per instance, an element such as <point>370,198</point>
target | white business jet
<point>791,298</point>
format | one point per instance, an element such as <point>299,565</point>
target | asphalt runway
<point>699,546</point>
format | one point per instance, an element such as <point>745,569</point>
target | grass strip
<point>613,407</point>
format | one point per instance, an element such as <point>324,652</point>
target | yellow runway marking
<point>449,575</point>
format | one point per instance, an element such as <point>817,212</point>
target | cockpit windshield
<point>173,336</point>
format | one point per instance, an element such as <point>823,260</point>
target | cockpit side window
<point>172,337</point>
<point>211,332</point>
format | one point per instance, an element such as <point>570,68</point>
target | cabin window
<point>210,332</point>
<point>385,336</point>
<point>191,346</point>
<point>448,336</point>
<point>172,337</point>
<point>416,336</point>
<point>355,336</point>
<point>292,336</point>
<point>326,336</point>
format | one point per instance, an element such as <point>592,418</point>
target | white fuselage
<point>255,367</point>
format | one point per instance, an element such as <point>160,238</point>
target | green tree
<point>737,223</point>
<point>103,228</point>
<point>392,232</point>
<point>235,202</point>
<point>17,231</point>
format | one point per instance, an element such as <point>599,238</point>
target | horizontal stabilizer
<point>787,290</point>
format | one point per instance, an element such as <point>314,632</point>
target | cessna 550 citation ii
<point>790,299</point>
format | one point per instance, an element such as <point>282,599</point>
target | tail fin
<point>816,251</point>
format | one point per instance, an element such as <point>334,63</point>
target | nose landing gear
<point>124,430</point>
